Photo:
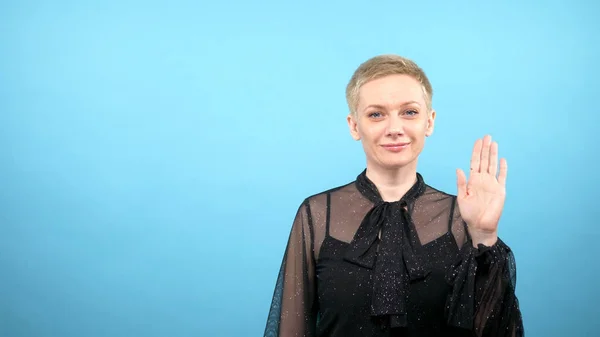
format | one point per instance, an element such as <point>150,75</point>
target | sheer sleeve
<point>483,295</point>
<point>293,309</point>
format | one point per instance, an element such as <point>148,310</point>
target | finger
<point>461,182</point>
<point>493,169</point>
<point>503,172</point>
<point>485,154</point>
<point>476,156</point>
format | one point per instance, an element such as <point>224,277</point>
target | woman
<point>387,254</point>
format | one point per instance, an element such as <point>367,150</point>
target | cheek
<point>423,127</point>
<point>373,133</point>
<point>416,130</point>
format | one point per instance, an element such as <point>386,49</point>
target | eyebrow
<point>378,106</point>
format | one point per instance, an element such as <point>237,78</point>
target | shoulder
<point>444,202</point>
<point>313,208</point>
<point>438,198</point>
<point>320,198</point>
<point>438,192</point>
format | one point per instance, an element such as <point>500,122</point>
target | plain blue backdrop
<point>153,154</point>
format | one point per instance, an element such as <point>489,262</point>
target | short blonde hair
<point>381,66</point>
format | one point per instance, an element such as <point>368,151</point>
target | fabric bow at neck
<point>386,243</point>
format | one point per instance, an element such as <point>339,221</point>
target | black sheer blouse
<point>358,266</point>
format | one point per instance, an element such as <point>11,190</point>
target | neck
<point>392,184</point>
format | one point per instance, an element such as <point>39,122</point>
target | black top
<point>358,266</point>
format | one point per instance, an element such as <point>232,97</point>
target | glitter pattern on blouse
<point>355,265</point>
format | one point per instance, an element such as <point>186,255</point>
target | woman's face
<point>392,121</point>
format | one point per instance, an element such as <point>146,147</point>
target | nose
<point>395,127</point>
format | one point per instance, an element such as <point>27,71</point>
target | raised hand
<point>481,198</point>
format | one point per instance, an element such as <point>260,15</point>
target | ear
<point>430,123</point>
<point>353,125</point>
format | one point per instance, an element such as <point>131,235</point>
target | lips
<point>395,147</point>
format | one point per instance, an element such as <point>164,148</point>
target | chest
<point>346,287</point>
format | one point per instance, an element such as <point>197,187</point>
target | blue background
<point>153,154</point>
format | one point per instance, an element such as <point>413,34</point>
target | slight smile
<point>396,147</point>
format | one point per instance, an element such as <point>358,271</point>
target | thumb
<point>461,182</point>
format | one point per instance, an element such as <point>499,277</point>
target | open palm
<point>481,198</point>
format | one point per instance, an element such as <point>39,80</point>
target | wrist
<point>486,238</point>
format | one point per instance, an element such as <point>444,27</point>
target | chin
<point>394,164</point>
<point>397,165</point>
<point>391,161</point>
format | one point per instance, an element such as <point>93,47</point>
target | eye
<point>411,112</point>
<point>375,114</point>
